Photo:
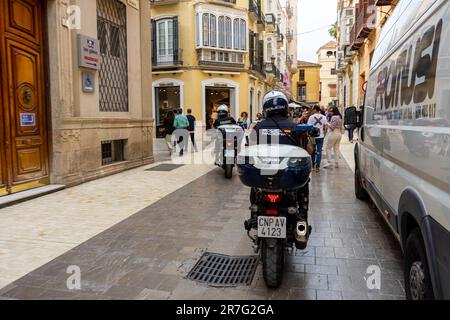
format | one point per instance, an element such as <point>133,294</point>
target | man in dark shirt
<point>191,129</point>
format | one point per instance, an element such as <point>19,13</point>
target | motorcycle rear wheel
<point>272,254</point>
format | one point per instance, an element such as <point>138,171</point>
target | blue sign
<point>27,119</point>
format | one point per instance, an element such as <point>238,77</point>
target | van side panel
<point>407,122</point>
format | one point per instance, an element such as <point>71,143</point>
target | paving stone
<point>329,295</point>
<point>141,257</point>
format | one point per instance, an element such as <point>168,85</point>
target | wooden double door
<point>23,129</point>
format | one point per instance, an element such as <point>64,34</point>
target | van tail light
<point>273,198</point>
<point>272,212</point>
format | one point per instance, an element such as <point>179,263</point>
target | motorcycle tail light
<point>230,144</point>
<point>272,212</point>
<point>273,198</point>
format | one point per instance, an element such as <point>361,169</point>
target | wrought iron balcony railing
<point>271,69</point>
<point>172,59</point>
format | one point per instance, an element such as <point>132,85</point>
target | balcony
<point>271,22</point>
<point>163,2</point>
<point>363,25</point>
<point>217,57</point>
<point>168,61</point>
<point>255,12</point>
<point>290,35</point>
<point>384,2</point>
<point>272,71</point>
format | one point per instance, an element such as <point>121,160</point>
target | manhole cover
<point>218,270</point>
<point>166,167</point>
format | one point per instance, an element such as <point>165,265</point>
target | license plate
<point>229,153</point>
<point>272,227</point>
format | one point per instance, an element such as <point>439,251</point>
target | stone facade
<point>78,127</point>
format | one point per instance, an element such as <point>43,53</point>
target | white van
<point>403,156</point>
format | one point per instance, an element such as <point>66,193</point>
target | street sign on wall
<point>88,52</point>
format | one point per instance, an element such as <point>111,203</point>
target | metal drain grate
<point>218,270</point>
<point>167,167</point>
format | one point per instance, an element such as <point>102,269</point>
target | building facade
<point>359,26</point>
<point>213,52</point>
<point>326,57</point>
<point>74,104</point>
<point>307,82</point>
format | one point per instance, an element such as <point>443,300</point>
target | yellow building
<point>326,57</point>
<point>211,52</point>
<point>359,27</point>
<point>307,82</point>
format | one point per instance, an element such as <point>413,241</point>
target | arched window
<point>206,29</point>
<point>243,35</point>
<point>213,35</point>
<point>221,32</point>
<point>228,33</point>
<point>236,35</point>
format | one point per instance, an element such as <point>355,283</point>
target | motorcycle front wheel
<point>228,171</point>
<point>272,254</point>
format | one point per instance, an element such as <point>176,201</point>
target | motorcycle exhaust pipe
<point>301,232</point>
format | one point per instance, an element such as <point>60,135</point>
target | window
<point>206,29</point>
<point>221,32</point>
<point>113,73</point>
<point>113,151</point>
<point>302,75</point>
<point>197,29</point>
<point>243,34</point>
<point>269,49</point>
<point>213,27</point>
<point>236,35</point>
<point>165,39</point>
<point>228,33</point>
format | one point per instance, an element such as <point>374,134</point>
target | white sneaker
<point>327,165</point>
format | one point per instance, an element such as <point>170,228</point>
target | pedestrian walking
<point>181,124</point>
<point>334,136</point>
<point>169,129</point>
<point>243,122</point>
<point>351,134</point>
<point>191,129</point>
<point>319,121</point>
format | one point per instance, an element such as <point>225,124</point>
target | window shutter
<point>261,54</point>
<point>176,50</point>
<point>154,54</point>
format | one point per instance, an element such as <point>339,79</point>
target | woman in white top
<point>334,136</point>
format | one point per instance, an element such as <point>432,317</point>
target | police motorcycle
<point>279,175</point>
<point>228,141</point>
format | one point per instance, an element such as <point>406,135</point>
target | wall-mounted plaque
<point>88,84</point>
<point>88,52</point>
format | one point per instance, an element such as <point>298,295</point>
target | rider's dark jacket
<point>224,120</point>
<point>268,131</point>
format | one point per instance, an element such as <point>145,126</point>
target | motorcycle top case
<point>274,167</point>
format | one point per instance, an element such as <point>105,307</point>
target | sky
<point>313,15</point>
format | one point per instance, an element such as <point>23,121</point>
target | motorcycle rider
<point>223,117</point>
<point>275,128</point>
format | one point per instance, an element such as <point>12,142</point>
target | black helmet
<point>275,102</point>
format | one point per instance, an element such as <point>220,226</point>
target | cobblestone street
<point>147,255</point>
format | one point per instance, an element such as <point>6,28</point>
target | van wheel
<point>360,192</point>
<point>417,276</point>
